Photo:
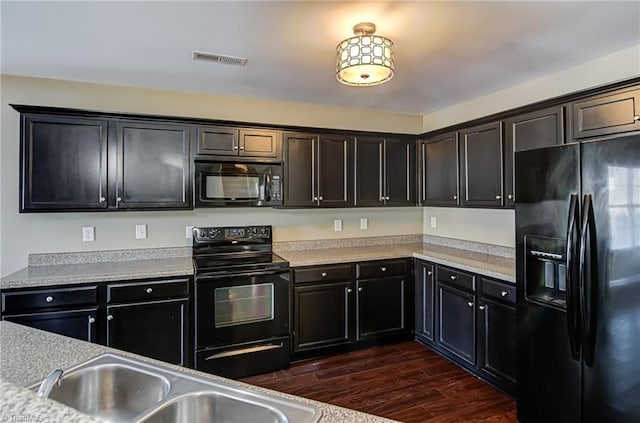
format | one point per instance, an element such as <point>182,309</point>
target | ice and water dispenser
<point>546,270</point>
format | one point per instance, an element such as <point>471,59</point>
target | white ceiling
<point>446,52</point>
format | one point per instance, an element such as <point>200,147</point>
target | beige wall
<point>617,66</point>
<point>21,234</point>
<point>480,225</point>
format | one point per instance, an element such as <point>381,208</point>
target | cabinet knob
<point>453,277</point>
<point>323,274</point>
<point>429,273</point>
<point>482,307</point>
<point>49,299</point>
<point>92,319</point>
<point>235,147</point>
<point>504,293</point>
<point>636,118</point>
<point>349,290</point>
<point>470,303</point>
<point>381,198</point>
<point>241,148</point>
<point>455,197</point>
<point>510,196</point>
<point>119,199</point>
<point>384,269</point>
<point>109,317</point>
<point>320,198</point>
<point>387,198</point>
<point>360,289</point>
<point>102,199</point>
<point>498,197</point>
<point>315,198</point>
<point>149,290</point>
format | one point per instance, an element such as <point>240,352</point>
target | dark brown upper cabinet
<point>153,168</point>
<point>607,114</point>
<point>385,172</point>
<point>317,170</point>
<point>63,163</point>
<point>481,153</point>
<point>541,128</point>
<point>226,141</point>
<point>439,171</point>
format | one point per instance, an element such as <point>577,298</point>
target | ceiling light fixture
<point>365,59</point>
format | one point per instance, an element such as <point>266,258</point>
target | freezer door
<point>611,276</point>
<point>549,378</point>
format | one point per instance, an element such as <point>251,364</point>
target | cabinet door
<point>439,171</point>
<point>457,323</point>
<point>381,308</point>
<point>79,324</point>
<point>607,114</point>
<point>542,128</point>
<point>497,341</point>
<point>335,172</point>
<point>63,163</point>
<point>369,172</point>
<point>424,300</point>
<point>322,316</point>
<point>300,170</point>
<point>400,172</point>
<point>155,329</point>
<point>218,140</point>
<point>153,165</point>
<point>259,143</point>
<point>481,165</point>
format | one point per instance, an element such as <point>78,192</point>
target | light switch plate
<point>88,233</point>
<point>141,231</point>
<point>434,223</point>
<point>364,223</point>
<point>337,225</point>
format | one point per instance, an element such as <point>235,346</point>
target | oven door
<point>240,308</point>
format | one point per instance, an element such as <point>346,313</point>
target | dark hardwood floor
<point>405,382</point>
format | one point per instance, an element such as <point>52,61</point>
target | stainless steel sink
<point>112,392</point>
<point>115,388</point>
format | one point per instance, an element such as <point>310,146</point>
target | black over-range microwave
<point>237,184</point>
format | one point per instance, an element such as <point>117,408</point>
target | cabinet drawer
<point>381,269</point>
<point>341,272</point>
<point>32,300</point>
<point>155,290</point>
<point>456,278</point>
<point>498,290</point>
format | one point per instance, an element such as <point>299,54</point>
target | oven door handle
<point>242,351</point>
<point>201,278</point>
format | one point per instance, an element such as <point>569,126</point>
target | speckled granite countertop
<point>27,355</point>
<point>67,274</point>
<point>502,268</point>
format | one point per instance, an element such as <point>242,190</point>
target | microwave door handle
<point>267,187</point>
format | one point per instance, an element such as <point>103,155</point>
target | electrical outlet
<point>188,233</point>
<point>337,225</point>
<point>141,231</point>
<point>434,223</point>
<point>88,233</point>
<point>364,223</point>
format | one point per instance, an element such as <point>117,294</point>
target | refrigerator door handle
<point>588,281</point>
<point>572,276</point>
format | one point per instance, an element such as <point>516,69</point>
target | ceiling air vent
<point>219,58</point>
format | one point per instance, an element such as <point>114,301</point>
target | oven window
<point>238,305</point>
<point>232,187</point>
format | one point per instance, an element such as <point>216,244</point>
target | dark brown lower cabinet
<point>155,329</point>
<point>497,343</point>
<point>322,314</point>
<point>381,307</point>
<point>456,322</point>
<point>424,274</point>
<point>79,324</point>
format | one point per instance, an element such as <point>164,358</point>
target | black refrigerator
<point>577,218</point>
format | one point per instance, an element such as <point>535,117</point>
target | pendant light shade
<point>365,59</point>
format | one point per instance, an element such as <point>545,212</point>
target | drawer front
<point>341,272</point>
<point>33,300</point>
<point>155,290</point>
<point>456,278</point>
<point>381,269</point>
<point>499,290</point>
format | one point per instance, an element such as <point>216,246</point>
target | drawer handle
<point>384,269</point>
<point>149,290</point>
<point>453,277</point>
<point>92,319</point>
<point>109,317</point>
<point>482,307</point>
<point>470,303</point>
<point>49,299</point>
<point>323,274</point>
<point>504,293</point>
